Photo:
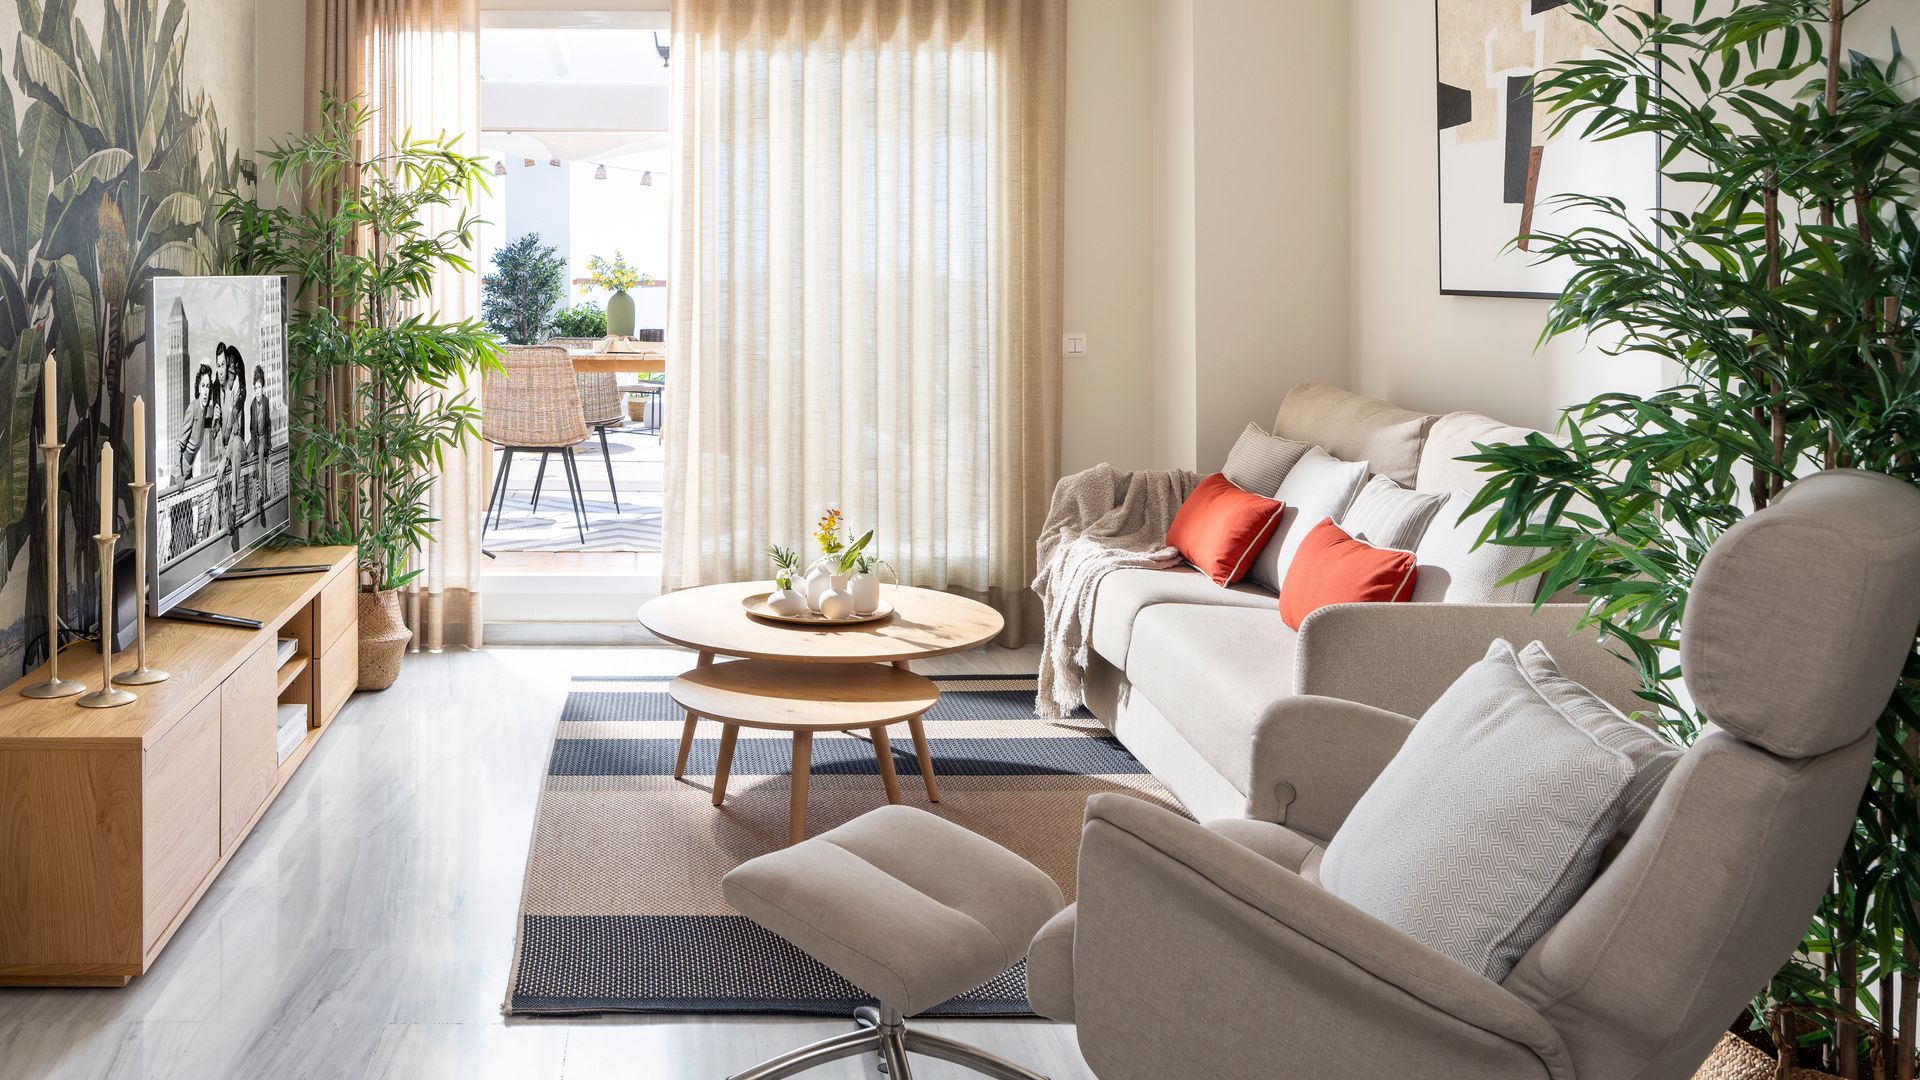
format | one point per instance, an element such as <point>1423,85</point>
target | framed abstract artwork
<point>1499,171</point>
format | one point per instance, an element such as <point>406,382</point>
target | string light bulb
<point>600,173</point>
<point>555,162</point>
<point>526,162</point>
<point>499,168</point>
<point>646,179</point>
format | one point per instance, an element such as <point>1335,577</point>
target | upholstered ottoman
<point>907,906</point>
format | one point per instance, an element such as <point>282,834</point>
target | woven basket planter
<point>383,639</point>
<point>1734,1058</point>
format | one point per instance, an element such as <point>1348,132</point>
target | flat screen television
<point>217,385</point>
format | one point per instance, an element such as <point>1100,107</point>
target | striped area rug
<point>622,910</point>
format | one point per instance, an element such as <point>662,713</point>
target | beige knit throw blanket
<point>1101,520</point>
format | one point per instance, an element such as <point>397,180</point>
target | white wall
<point>1411,345</point>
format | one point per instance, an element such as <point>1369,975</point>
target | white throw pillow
<point>1490,822</point>
<point>1318,486</point>
<point>1259,461</point>
<point>1451,570</point>
<point>1390,516</point>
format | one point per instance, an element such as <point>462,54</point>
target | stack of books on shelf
<point>293,729</point>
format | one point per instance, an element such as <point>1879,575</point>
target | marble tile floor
<point>366,927</point>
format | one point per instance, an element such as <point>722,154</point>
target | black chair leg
<point>497,503</point>
<point>606,455</point>
<point>538,479</point>
<point>579,500</point>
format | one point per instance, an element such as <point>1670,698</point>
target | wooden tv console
<point>113,822</point>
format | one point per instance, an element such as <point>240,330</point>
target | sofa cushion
<point>1220,528</point>
<point>1490,822</point>
<point>1355,428</point>
<point>1319,486</point>
<point>1213,672</point>
<point>1259,461</point>
<point>1334,568</point>
<point>1123,594</point>
<point>1453,435</point>
<point>1451,570</point>
<point>1390,516</point>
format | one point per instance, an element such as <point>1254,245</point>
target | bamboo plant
<point>379,379</point>
<point>1782,294</point>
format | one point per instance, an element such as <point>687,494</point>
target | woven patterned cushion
<point>1259,461</point>
<point>1491,820</point>
<point>1454,571</point>
<point>1390,516</point>
<point>1318,486</point>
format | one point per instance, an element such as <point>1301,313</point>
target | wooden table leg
<point>802,770</point>
<point>883,753</point>
<point>686,733</point>
<point>926,758</point>
<point>728,733</point>
<point>686,744</point>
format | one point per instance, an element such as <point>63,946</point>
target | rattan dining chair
<point>532,405</point>
<point>601,407</point>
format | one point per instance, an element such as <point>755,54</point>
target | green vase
<point>620,314</point>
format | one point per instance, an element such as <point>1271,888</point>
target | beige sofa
<point>1204,684</point>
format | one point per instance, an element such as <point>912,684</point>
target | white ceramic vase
<point>866,593</point>
<point>818,581</point>
<point>837,604</point>
<point>787,602</point>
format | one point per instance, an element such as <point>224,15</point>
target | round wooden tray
<point>756,606</point>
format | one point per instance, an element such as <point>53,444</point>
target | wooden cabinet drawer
<point>338,607</point>
<point>338,676</point>
<point>180,814</point>
<point>248,758</point>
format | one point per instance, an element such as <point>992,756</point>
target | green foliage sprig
<point>586,320</point>
<point>365,261</point>
<point>1786,298</point>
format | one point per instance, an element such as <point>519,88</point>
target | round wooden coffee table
<point>804,679</point>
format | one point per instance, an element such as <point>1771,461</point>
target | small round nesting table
<point>805,679</point>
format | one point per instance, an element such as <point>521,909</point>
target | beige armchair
<point>1212,950</point>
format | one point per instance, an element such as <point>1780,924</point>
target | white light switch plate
<point>1073,345</point>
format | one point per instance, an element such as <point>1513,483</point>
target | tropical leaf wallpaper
<point>111,155</point>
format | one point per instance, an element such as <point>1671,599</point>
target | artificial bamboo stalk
<point>1846,1033</point>
<point>1786,1051</point>
<point>1902,1046</point>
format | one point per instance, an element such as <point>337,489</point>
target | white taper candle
<point>49,383</point>
<point>106,487</point>
<point>139,440</point>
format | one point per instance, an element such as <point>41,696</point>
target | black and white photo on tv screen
<point>220,454</point>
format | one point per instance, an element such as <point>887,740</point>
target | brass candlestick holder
<point>108,696</point>
<point>54,686</point>
<point>140,674</point>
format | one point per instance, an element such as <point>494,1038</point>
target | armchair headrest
<point>1802,616</point>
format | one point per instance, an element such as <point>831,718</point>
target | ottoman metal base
<point>884,1032</point>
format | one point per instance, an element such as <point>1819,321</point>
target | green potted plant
<point>583,320</point>
<point>1784,297</point>
<point>518,300</point>
<point>617,276</point>
<point>379,383</point>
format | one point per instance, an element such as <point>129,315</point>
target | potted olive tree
<point>1783,294</point>
<point>379,378</point>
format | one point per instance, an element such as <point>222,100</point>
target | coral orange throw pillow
<point>1220,528</point>
<point>1334,568</point>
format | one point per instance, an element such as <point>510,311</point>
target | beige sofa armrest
<point>1313,757</point>
<point>1402,657</point>
<point>1194,956</point>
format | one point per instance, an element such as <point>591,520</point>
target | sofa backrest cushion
<point>1355,428</point>
<point>1454,571</point>
<point>1332,567</point>
<point>1450,437</point>
<point>1318,486</point>
<point>1220,528</point>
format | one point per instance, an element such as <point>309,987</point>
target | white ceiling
<point>547,55</point>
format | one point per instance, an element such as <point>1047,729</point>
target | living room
<point>1169,562</point>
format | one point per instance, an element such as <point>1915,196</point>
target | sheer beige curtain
<point>418,63</point>
<point>866,306</point>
